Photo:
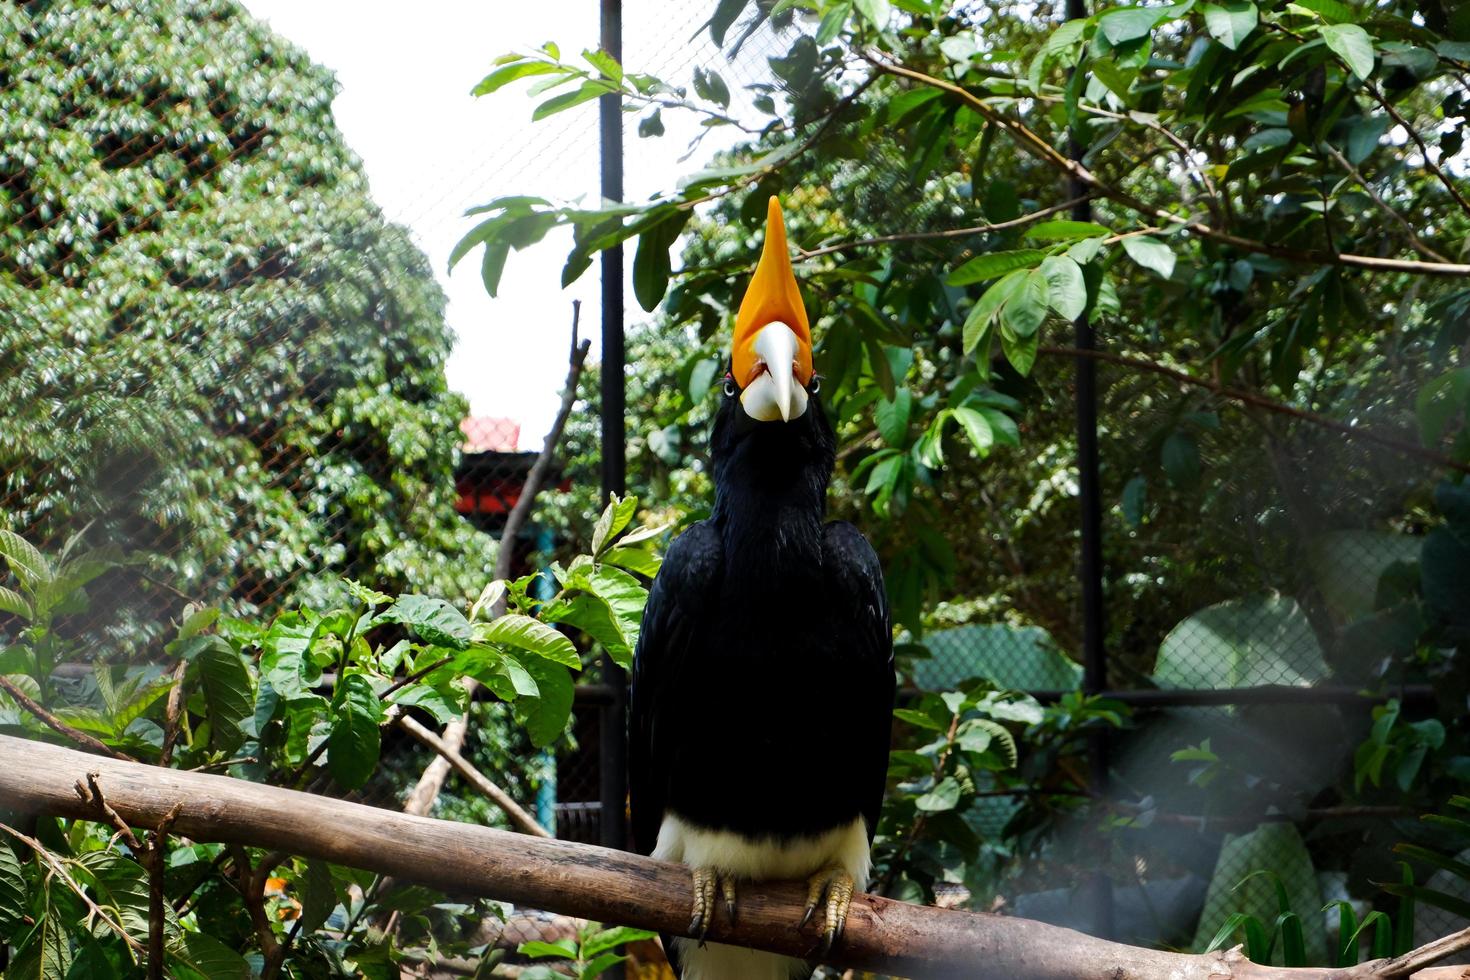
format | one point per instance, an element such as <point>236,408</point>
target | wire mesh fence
<point>242,389</point>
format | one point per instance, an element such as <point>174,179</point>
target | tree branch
<point>919,236</point>
<point>474,777</point>
<point>1260,401</point>
<point>1044,151</point>
<point>1429,164</point>
<point>1414,242</point>
<point>612,886</point>
<point>422,797</point>
<point>57,725</point>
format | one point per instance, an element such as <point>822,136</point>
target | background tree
<point>215,353</point>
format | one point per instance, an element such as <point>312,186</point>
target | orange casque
<point>772,296</point>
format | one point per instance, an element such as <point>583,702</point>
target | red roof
<point>487,434</point>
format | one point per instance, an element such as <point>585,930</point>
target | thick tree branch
<point>1044,151</point>
<point>612,886</point>
<point>422,797</point>
<point>1262,402</point>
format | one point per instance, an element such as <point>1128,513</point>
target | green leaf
<point>208,958</point>
<point>609,609</point>
<point>434,620</point>
<point>1352,44</point>
<point>892,417</point>
<point>708,85</point>
<point>833,21</point>
<point>506,74</point>
<point>1024,312</point>
<point>604,63</point>
<point>585,92</point>
<point>1439,402</point>
<point>1293,944</point>
<point>565,949</point>
<point>1063,230</point>
<point>1020,351</point>
<point>988,306</point>
<point>1130,23</point>
<point>601,942</point>
<point>1150,253</point>
<point>354,742</point>
<point>120,886</point>
<point>544,717</point>
<point>1230,22</point>
<point>1135,498</point>
<point>1180,458</point>
<point>12,890</point>
<point>639,561</point>
<point>651,125</point>
<point>45,954</point>
<point>1067,290</point>
<point>13,602</point>
<point>29,565</point>
<point>229,694</point>
<point>318,897</point>
<point>977,429</point>
<point>992,264</point>
<point>531,635</point>
<point>725,14</point>
<point>875,12</point>
<point>617,515</point>
<point>941,798</point>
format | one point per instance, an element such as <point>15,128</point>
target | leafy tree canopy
<point>215,352</point>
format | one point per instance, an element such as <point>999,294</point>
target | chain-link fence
<point>240,389</point>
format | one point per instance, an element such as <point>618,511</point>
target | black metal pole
<point>613,757</point>
<point>1089,499</point>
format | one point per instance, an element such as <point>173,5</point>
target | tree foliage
<point>216,353</point>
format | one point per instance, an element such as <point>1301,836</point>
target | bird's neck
<point>771,521</point>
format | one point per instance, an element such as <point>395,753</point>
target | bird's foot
<point>835,885</point>
<point>706,882</point>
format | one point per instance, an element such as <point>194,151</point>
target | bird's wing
<point>673,623</point>
<point>856,579</point>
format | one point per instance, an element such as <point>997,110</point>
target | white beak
<point>775,394</point>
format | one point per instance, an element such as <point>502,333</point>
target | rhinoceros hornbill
<point>763,682</point>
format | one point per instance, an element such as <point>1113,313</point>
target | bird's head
<point>771,428</point>
<point>771,360</point>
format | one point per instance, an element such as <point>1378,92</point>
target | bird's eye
<point>729,387</point>
<point>816,384</point>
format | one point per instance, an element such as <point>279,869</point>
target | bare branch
<point>57,725</point>
<point>1384,206</point>
<point>1429,163</point>
<point>919,236</point>
<point>1260,401</point>
<point>473,776</point>
<point>59,869</point>
<point>1044,151</point>
<point>155,865</point>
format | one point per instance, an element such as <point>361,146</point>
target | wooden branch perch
<point>610,886</point>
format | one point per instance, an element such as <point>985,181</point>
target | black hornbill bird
<point>762,688</point>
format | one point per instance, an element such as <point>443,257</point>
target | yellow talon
<point>836,885</point>
<point>706,881</point>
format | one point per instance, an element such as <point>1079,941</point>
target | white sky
<point>431,150</point>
